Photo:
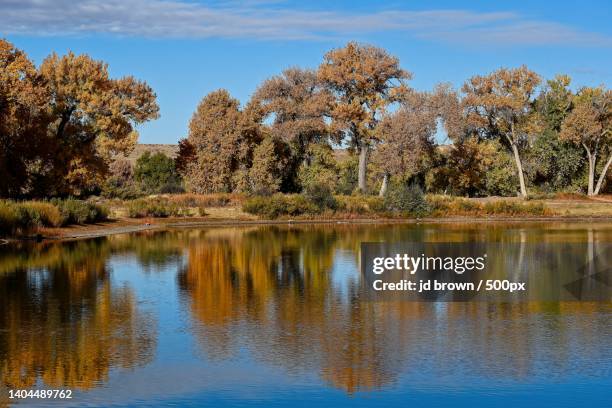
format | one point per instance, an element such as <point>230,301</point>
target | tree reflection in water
<point>270,289</point>
<point>290,297</point>
<point>64,323</point>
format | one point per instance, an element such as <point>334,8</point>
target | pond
<point>275,315</point>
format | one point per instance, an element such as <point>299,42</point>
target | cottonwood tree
<point>93,116</point>
<point>296,105</point>
<point>214,133</point>
<point>364,81</point>
<point>72,118</point>
<point>590,125</point>
<point>501,106</point>
<point>446,103</point>
<point>406,137</point>
<point>23,119</point>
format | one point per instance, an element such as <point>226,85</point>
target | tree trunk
<point>519,168</point>
<point>363,165</point>
<point>591,159</point>
<point>384,185</point>
<point>602,176</point>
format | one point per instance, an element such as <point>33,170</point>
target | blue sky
<point>185,49</point>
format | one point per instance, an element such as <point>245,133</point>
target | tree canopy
<point>352,124</point>
<point>62,123</point>
<point>364,81</point>
<point>590,125</point>
<point>500,105</point>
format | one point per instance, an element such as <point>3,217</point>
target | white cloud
<point>267,20</point>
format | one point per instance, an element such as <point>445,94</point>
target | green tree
<point>319,168</point>
<point>552,163</point>
<point>555,101</point>
<point>347,175</point>
<point>155,173</point>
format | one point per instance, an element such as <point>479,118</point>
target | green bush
<point>156,173</point>
<point>279,205</point>
<point>439,203</point>
<point>150,208</point>
<point>257,205</point>
<point>172,188</point>
<point>464,205</point>
<point>115,188</point>
<point>406,199</point>
<point>347,175</point>
<point>19,217</point>
<point>442,206</point>
<point>320,168</point>
<point>321,195</point>
<point>299,204</point>
<point>80,212</point>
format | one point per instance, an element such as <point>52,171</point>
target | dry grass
<point>446,206</point>
<point>205,200</point>
<point>228,213</point>
<point>229,207</point>
<point>209,206</point>
<point>580,208</point>
<point>567,204</point>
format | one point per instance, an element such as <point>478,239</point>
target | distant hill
<point>170,150</point>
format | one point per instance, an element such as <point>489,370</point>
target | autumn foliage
<point>65,124</point>
<point>62,122</point>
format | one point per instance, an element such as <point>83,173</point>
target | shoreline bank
<point>122,226</point>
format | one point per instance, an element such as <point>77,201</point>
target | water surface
<point>276,315</point>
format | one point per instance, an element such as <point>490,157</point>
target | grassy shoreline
<point>113,227</point>
<point>228,210</point>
